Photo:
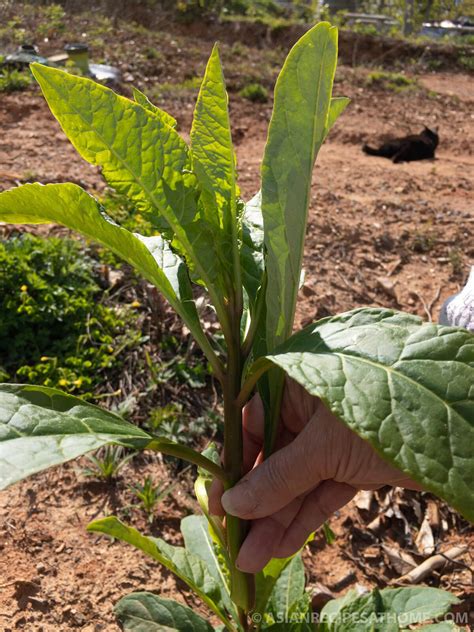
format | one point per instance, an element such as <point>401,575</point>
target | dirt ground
<point>383,234</point>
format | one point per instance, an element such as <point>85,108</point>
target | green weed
<point>187,88</point>
<point>151,495</point>
<point>254,92</point>
<point>423,242</point>
<point>54,329</point>
<point>13,80</point>
<point>456,261</point>
<point>107,462</point>
<point>466,61</point>
<point>394,81</point>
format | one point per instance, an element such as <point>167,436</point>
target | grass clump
<point>395,81</point>
<point>467,62</point>
<point>54,330</point>
<point>254,92</point>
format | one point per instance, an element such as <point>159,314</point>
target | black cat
<point>415,147</point>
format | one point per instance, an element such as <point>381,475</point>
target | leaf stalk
<point>188,454</point>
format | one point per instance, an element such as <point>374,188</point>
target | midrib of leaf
<point>211,550</point>
<point>176,226</point>
<point>58,434</point>
<point>381,367</point>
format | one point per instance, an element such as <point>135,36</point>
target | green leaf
<point>198,541</point>
<point>211,143</point>
<point>185,565</point>
<point>41,427</point>
<point>331,610</point>
<point>71,206</point>
<point>385,610</point>
<point>299,618</point>
<point>142,157</point>
<point>145,102</point>
<point>336,108</point>
<point>265,582</point>
<point>297,129</point>
<point>365,613</point>
<point>202,485</point>
<point>416,605</point>
<point>288,589</point>
<point>405,386</point>
<point>146,612</point>
<point>251,252</point>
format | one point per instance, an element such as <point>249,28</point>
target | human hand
<point>317,468</point>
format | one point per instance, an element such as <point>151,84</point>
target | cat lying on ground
<point>415,147</point>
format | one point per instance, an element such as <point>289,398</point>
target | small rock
<point>387,286</point>
<point>307,291</point>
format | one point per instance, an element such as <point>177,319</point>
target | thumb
<point>286,474</point>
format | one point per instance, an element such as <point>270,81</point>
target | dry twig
<point>439,561</point>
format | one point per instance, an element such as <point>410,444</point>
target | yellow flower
<point>24,288</point>
<point>135,304</point>
<point>62,382</point>
<point>44,359</point>
<point>78,382</point>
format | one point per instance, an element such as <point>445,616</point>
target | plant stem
<point>241,583</point>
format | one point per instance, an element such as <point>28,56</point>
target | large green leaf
<point>288,589</point>
<point>41,427</point>
<point>297,129</point>
<point>185,565</point>
<point>386,610</point>
<point>198,541</point>
<point>71,206</point>
<point>405,386</point>
<point>211,145</point>
<point>146,612</point>
<point>140,156</point>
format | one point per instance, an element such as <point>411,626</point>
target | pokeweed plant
<point>403,385</point>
